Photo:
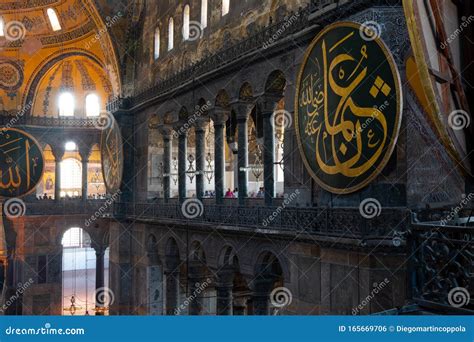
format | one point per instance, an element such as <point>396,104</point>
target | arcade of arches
<point>217,212</point>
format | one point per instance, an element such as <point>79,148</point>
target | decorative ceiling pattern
<point>30,49</point>
<point>27,5</point>
<point>76,75</point>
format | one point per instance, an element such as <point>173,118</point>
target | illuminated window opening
<point>70,146</point>
<point>66,104</point>
<point>71,177</point>
<point>225,7</point>
<point>170,34</point>
<point>204,14</point>
<point>186,22</point>
<point>92,105</point>
<point>157,43</point>
<point>53,19</point>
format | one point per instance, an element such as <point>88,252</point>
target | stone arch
<point>222,99</point>
<point>246,92</point>
<point>227,256</point>
<point>196,252</point>
<point>275,83</point>
<point>259,257</point>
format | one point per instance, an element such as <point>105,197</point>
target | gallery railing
<point>341,222</point>
<point>442,265</point>
<point>322,12</point>
<point>68,207</point>
<point>18,120</point>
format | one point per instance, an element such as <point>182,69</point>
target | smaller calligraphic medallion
<point>111,151</point>
<point>21,163</point>
<point>348,107</point>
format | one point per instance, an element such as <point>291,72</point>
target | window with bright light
<point>92,105</point>
<point>71,176</point>
<point>53,19</point>
<point>157,43</point>
<point>66,104</point>
<point>75,237</point>
<point>70,146</point>
<point>1,28</point>
<point>225,7</point>
<point>204,14</point>
<point>186,22</point>
<point>170,34</point>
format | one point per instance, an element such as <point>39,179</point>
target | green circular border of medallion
<point>116,128</point>
<point>398,119</point>
<point>29,136</point>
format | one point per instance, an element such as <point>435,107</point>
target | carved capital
<point>165,130</point>
<point>243,109</point>
<point>268,104</point>
<point>219,115</point>
<point>58,152</point>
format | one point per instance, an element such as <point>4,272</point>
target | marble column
<point>200,129</point>
<point>182,165</point>
<point>224,290</point>
<point>196,293</point>
<point>261,297</point>
<point>243,110</point>
<point>239,305</point>
<point>58,157</point>
<point>268,105</point>
<point>172,290</point>
<point>84,153</point>
<point>85,182</point>
<point>167,134</point>
<point>219,116</point>
<point>99,281</point>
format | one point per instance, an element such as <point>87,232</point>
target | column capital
<point>268,103</point>
<point>99,249</point>
<point>58,152</point>
<point>201,123</point>
<point>219,115</point>
<point>85,152</point>
<point>242,109</point>
<point>165,130</point>
<point>181,128</point>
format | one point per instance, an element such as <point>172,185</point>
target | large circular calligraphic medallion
<point>348,107</point>
<point>111,152</point>
<point>21,163</point>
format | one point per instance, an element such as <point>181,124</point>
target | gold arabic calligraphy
<point>339,127</point>
<point>20,162</point>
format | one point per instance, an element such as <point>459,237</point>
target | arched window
<point>53,19</point>
<point>157,43</point>
<point>170,34</point>
<point>79,272</point>
<point>75,237</point>
<point>204,14</point>
<point>225,7</point>
<point>71,177</point>
<point>1,27</point>
<point>186,22</point>
<point>66,104</point>
<point>92,105</point>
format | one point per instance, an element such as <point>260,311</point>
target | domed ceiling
<point>38,58</point>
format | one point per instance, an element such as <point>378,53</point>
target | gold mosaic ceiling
<point>30,51</point>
